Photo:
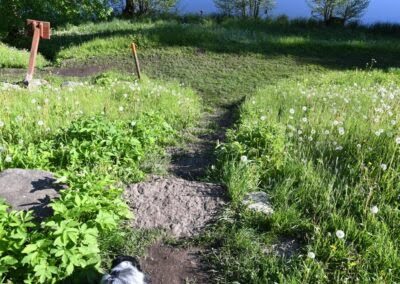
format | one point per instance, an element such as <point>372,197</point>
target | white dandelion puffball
<point>121,109</point>
<point>1,124</point>
<point>341,131</point>
<point>33,101</point>
<point>291,111</point>
<point>384,167</point>
<point>340,234</point>
<point>243,159</point>
<point>397,140</point>
<point>304,119</point>
<point>40,123</point>
<point>304,108</point>
<point>263,118</point>
<point>125,95</point>
<point>311,255</point>
<point>374,209</point>
<point>8,159</point>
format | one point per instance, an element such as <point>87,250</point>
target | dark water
<point>378,11</point>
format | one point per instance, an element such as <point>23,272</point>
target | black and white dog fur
<point>124,270</point>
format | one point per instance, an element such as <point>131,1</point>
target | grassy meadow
<point>326,151</point>
<point>316,127</point>
<point>15,58</point>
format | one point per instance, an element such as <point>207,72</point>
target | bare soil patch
<point>182,208</point>
<point>170,265</point>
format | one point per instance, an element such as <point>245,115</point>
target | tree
<point>143,7</point>
<point>338,10</point>
<point>13,13</point>
<point>352,9</point>
<point>244,8</point>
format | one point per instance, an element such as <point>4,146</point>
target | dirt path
<point>182,205</point>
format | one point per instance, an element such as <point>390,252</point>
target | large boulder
<point>29,190</point>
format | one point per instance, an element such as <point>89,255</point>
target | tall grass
<point>13,58</point>
<point>326,151</point>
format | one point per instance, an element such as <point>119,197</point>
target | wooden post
<point>133,46</point>
<point>39,30</point>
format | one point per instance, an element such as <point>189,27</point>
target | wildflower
<point>340,234</point>
<point>39,107</point>
<point>2,149</point>
<point>311,255</point>
<point>121,109</point>
<point>299,132</point>
<point>33,101</point>
<point>310,138</point>
<point>8,159</point>
<point>263,118</point>
<point>304,119</point>
<point>125,95</point>
<point>313,131</point>
<point>374,210</point>
<point>243,159</point>
<point>326,132</point>
<point>336,123</point>
<point>384,167</point>
<point>304,108</point>
<point>46,100</point>
<point>291,111</point>
<point>1,123</point>
<point>393,122</point>
<point>359,146</point>
<point>341,130</point>
<point>397,140</point>
<point>40,123</point>
<point>133,123</point>
<point>339,148</point>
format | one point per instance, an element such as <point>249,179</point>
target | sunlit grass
<point>14,58</point>
<point>327,152</point>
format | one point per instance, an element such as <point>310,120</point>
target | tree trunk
<point>129,8</point>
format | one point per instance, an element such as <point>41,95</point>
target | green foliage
<point>145,7</point>
<point>14,58</point>
<point>344,10</point>
<point>245,8</point>
<point>13,13</point>
<point>326,151</point>
<point>93,137</point>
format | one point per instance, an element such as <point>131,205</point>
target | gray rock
<point>71,84</point>
<point>8,86</point>
<point>29,190</point>
<point>258,202</point>
<point>36,83</point>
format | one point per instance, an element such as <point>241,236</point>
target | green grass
<point>318,183</point>
<point>13,58</point>
<point>92,136</point>
<point>326,151</point>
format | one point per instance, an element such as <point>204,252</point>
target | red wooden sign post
<point>38,30</point>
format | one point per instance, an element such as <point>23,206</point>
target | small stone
<point>71,84</point>
<point>258,202</point>
<point>36,83</point>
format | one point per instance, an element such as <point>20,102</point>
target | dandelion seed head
<point>340,234</point>
<point>311,255</point>
<point>374,209</point>
<point>243,159</point>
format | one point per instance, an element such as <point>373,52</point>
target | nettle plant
<point>68,241</point>
<point>87,155</point>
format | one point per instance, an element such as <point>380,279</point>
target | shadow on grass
<point>331,48</point>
